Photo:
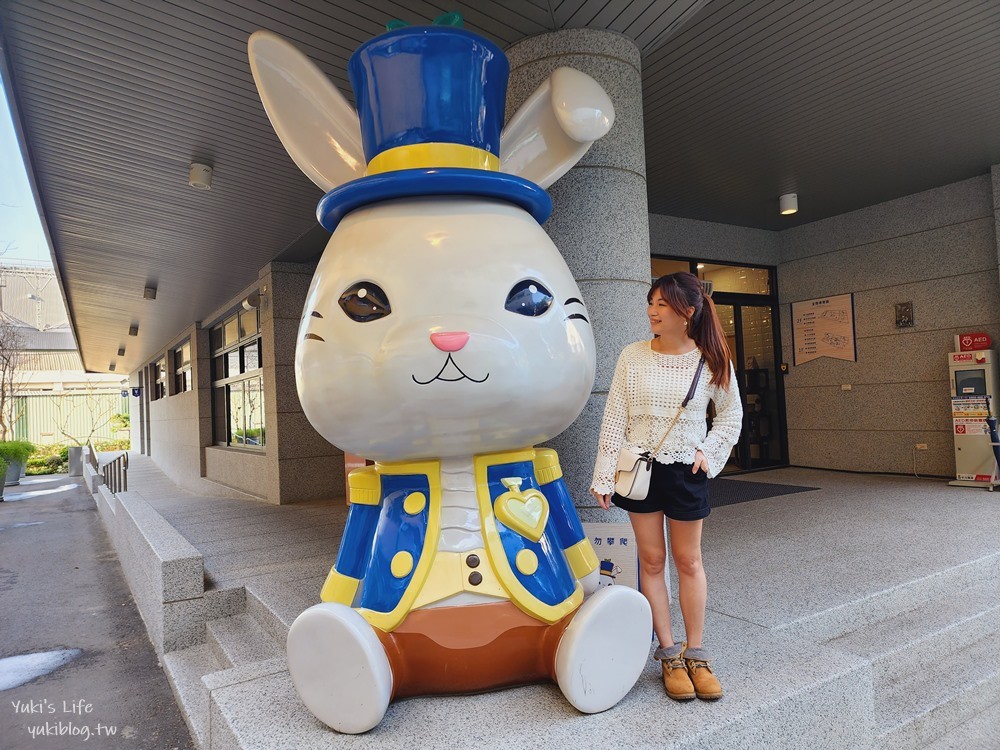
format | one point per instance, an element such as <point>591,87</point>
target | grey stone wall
<point>296,464</point>
<point>937,249</point>
<point>600,216</point>
<point>174,423</point>
<point>304,465</point>
<point>705,240</point>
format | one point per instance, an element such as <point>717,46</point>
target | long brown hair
<point>682,291</point>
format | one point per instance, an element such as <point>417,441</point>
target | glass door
<point>761,437</point>
<point>749,331</point>
<point>747,304</point>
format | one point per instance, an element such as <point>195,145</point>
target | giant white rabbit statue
<point>444,336</point>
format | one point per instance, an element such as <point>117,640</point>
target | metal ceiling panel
<point>847,102</point>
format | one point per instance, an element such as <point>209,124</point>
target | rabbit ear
<point>316,125</point>
<point>555,127</point>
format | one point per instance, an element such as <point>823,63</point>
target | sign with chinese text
<point>614,544</point>
<point>824,328</point>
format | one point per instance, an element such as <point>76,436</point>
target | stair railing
<point>116,474</point>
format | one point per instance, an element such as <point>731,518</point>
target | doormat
<point>732,491</point>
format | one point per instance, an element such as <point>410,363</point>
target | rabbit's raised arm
<point>316,125</point>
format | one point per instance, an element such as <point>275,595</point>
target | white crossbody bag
<point>634,469</point>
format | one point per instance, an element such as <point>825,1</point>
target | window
<point>237,381</point>
<point>159,379</point>
<point>740,279</point>
<point>182,368</point>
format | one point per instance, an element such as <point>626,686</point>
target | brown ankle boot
<point>675,676</point>
<point>706,684</point>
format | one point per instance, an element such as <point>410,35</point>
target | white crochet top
<point>646,392</point>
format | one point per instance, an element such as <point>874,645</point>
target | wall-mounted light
<point>700,266</point>
<point>149,292</point>
<point>121,351</point>
<point>251,301</point>
<point>200,176</point>
<point>133,330</point>
<point>788,204</point>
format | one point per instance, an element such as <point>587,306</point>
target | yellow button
<point>527,562</point>
<point>402,564</point>
<point>414,503</point>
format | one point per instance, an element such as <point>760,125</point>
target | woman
<point>649,386</point>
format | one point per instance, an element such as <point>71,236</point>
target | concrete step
<point>240,640</point>
<point>979,732</point>
<point>907,642</point>
<point>185,670</point>
<point>947,692</point>
<point>276,602</point>
<point>859,614</point>
<point>781,693</point>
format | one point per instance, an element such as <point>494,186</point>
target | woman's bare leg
<point>652,558</point>
<point>692,586</point>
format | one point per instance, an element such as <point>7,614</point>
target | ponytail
<point>684,291</point>
<point>706,330</point>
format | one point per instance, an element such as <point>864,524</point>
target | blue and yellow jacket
<point>535,549</point>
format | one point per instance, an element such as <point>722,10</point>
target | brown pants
<point>470,649</point>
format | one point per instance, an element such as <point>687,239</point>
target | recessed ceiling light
<point>701,265</point>
<point>149,292</point>
<point>121,351</point>
<point>133,329</point>
<point>111,367</point>
<point>788,204</point>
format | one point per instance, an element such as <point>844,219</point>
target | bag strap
<point>684,403</point>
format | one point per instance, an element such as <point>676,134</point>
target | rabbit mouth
<point>448,376</point>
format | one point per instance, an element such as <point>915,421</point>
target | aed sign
<point>969,342</point>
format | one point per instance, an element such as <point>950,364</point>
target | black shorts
<point>673,489</point>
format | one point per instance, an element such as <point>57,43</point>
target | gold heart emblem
<point>525,512</point>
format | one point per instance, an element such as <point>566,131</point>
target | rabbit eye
<point>529,298</point>
<point>364,302</point>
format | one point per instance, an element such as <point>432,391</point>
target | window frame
<point>220,353</point>
<point>182,371</point>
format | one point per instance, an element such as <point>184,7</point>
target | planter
<point>75,461</point>
<point>14,471</point>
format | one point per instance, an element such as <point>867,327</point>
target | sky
<point>21,233</point>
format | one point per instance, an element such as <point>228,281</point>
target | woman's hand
<point>603,500</point>
<point>700,462</point>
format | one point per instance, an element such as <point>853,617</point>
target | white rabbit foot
<point>339,668</point>
<point>603,651</point>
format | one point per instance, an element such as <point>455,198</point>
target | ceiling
<point>847,103</point>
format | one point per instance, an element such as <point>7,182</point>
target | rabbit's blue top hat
<point>431,104</point>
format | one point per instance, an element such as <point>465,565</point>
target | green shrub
<point>16,451</point>
<point>113,445</point>
<point>64,452</point>
<point>34,471</point>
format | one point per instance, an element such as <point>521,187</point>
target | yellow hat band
<point>430,155</point>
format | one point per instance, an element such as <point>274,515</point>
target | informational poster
<point>824,328</point>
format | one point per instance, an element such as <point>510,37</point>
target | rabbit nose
<point>449,341</point>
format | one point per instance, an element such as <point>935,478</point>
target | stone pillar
<point>995,184</point>
<point>600,220</point>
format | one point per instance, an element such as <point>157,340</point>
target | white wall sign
<point>824,328</point>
